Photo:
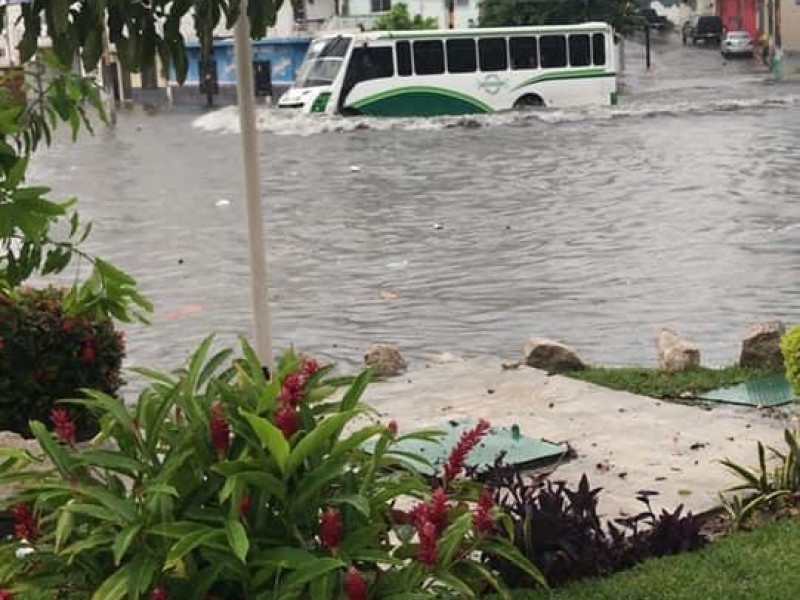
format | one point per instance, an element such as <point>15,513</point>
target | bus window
<point>370,63</point>
<point>428,57</point>
<point>553,51</point>
<point>461,56</point>
<point>579,52</point>
<point>404,59</point>
<point>599,49</point>
<point>493,54</point>
<point>523,52</point>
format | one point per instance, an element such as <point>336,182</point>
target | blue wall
<point>285,56</point>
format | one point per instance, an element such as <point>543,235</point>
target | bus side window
<point>370,63</point>
<point>461,56</point>
<point>523,53</point>
<point>404,59</point>
<point>553,51</point>
<point>599,49</point>
<point>428,57</point>
<point>493,54</point>
<point>579,51</point>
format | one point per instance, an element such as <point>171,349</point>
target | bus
<point>456,71</point>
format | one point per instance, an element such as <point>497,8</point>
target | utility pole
<point>252,179</point>
<point>647,46</point>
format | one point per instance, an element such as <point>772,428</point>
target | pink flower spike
<point>63,425</point>
<point>355,588</point>
<point>458,455</point>
<point>482,519</point>
<point>220,429</point>
<point>331,529</point>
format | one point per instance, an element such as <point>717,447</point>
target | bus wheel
<point>350,112</point>
<point>529,101</point>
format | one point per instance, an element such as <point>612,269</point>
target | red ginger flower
<point>6,595</point>
<point>294,382</point>
<point>25,527</point>
<point>63,425</point>
<point>288,397</point>
<point>392,427</point>
<point>244,504</point>
<point>88,354</point>
<point>458,455</point>
<point>437,511</point>
<point>310,366</point>
<point>158,593</point>
<point>287,420</point>
<point>427,553</point>
<point>482,519</point>
<point>331,529</point>
<point>220,429</point>
<point>355,587</point>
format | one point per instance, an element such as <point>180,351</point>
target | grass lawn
<point>759,565</point>
<point>655,383</point>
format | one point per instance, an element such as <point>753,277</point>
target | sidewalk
<point>624,442</point>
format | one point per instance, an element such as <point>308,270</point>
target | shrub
<point>47,355</point>
<point>559,530</point>
<point>790,347</point>
<point>220,483</point>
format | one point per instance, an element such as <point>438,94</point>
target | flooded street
<point>679,207</point>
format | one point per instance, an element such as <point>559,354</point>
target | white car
<point>737,43</point>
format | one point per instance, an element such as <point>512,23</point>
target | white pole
<point>252,180</point>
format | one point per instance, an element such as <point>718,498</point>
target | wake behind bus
<point>456,71</point>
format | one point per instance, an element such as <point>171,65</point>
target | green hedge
<point>790,347</point>
<point>46,356</point>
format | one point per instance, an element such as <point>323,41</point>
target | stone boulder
<point>550,356</point>
<point>13,441</point>
<point>386,360</point>
<point>675,353</point>
<point>761,346</point>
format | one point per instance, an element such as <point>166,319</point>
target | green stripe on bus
<point>559,75</point>
<point>421,101</point>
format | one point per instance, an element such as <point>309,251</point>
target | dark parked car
<point>652,19</point>
<point>705,28</point>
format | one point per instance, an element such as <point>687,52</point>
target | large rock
<point>761,346</point>
<point>13,441</point>
<point>550,356</point>
<point>385,359</point>
<point>675,353</point>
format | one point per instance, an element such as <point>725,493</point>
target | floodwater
<point>466,236</point>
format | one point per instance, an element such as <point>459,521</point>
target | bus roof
<point>472,32</point>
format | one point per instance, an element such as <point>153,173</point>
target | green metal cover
<point>519,450</point>
<point>771,390</point>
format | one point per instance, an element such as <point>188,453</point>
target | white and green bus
<point>456,71</point>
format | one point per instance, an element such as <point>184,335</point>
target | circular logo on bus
<point>492,84</point>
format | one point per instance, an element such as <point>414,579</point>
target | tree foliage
<point>141,30</point>
<point>38,235</point>
<point>399,19</point>
<point>620,14</point>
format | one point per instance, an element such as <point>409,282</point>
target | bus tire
<point>350,112</point>
<point>529,101</point>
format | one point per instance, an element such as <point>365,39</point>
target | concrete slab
<point>624,442</point>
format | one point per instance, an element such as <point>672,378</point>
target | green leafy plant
<point>46,355</point>
<point>399,19</point>
<point>790,348</point>
<point>220,483</point>
<point>767,489</point>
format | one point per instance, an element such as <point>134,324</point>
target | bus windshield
<point>323,62</point>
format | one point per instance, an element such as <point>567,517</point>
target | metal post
<point>252,177</point>
<point>647,46</point>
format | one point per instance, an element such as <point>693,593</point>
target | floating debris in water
<point>438,226</point>
<point>355,168</point>
<point>222,202</point>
